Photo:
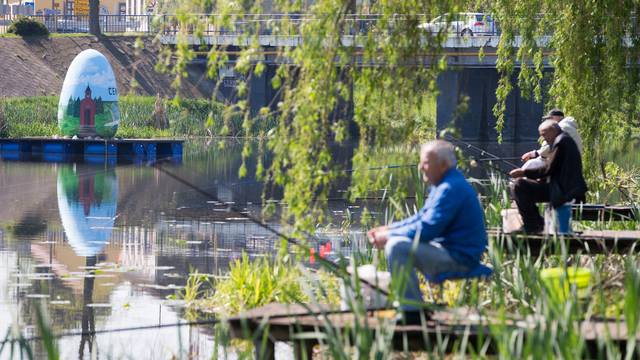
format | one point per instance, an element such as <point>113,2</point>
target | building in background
<point>81,7</point>
<point>14,7</point>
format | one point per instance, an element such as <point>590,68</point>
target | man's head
<point>554,114</point>
<point>549,130</point>
<point>436,157</point>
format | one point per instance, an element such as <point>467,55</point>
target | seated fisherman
<point>539,158</point>
<point>563,172</point>
<point>449,229</point>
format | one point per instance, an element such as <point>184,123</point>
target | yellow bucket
<point>558,282</point>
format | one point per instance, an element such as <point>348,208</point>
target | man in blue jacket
<point>447,235</point>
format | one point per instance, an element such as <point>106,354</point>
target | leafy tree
<point>70,106</point>
<point>76,108</point>
<point>387,68</point>
<point>389,77</point>
<point>593,47</point>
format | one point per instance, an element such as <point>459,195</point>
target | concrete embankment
<point>37,66</point>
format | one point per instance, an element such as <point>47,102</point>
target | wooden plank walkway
<point>595,212</point>
<point>588,241</point>
<point>284,322</point>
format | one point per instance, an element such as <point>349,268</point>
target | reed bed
<point>140,117</point>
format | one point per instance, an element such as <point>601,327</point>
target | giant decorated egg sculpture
<point>89,99</point>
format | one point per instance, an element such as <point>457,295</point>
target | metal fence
<point>80,23</point>
<point>261,24</point>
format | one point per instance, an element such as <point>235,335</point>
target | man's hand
<point>378,236</point>
<point>529,155</point>
<point>516,173</point>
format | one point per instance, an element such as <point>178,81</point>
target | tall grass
<point>253,283</point>
<point>37,116</point>
<point>550,327</point>
<point>18,346</point>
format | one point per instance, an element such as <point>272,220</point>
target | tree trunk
<point>94,17</point>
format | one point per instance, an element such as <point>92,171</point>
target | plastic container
<point>563,219</point>
<point>558,221</point>
<point>559,281</point>
<point>371,297</point>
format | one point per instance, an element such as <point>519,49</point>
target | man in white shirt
<point>535,159</point>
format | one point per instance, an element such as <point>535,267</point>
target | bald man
<point>449,228</point>
<point>562,178</point>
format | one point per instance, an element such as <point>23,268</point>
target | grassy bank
<point>140,117</point>
<point>516,290</point>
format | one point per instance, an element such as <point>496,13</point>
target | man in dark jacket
<point>563,175</point>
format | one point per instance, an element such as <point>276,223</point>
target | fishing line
<point>333,267</point>
<point>186,323</point>
<point>232,209</point>
<point>452,138</point>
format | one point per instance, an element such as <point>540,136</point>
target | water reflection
<point>104,246</point>
<point>87,200</point>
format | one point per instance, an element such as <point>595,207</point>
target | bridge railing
<point>80,23</point>
<point>248,24</point>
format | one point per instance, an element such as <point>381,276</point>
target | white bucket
<point>371,296</point>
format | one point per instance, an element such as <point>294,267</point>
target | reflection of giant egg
<point>89,98</point>
<point>87,205</point>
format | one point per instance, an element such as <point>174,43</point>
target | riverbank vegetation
<point>517,290</point>
<point>390,97</point>
<point>140,117</point>
<point>591,81</point>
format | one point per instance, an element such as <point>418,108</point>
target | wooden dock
<point>586,242</point>
<point>278,322</point>
<point>599,212</point>
<point>91,150</point>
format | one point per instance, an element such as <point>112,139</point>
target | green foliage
<point>37,116</point>
<point>19,346</point>
<point>26,26</point>
<point>589,45</point>
<point>392,97</point>
<point>3,123</point>
<point>253,283</point>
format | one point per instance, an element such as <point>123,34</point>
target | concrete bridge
<point>469,77</point>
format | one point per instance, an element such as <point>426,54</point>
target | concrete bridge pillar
<point>477,123</point>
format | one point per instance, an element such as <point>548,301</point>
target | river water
<point>103,246</point>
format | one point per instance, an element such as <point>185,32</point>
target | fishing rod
<point>502,158</point>
<point>482,152</point>
<point>333,267</point>
<point>179,324</point>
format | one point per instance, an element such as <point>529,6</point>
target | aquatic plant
<point>253,283</point>
<point>19,345</point>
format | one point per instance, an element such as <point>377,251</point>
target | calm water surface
<point>102,246</point>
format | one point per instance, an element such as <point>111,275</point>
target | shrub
<point>25,26</point>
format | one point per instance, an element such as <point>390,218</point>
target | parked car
<point>465,24</point>
<point>71,25</point>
